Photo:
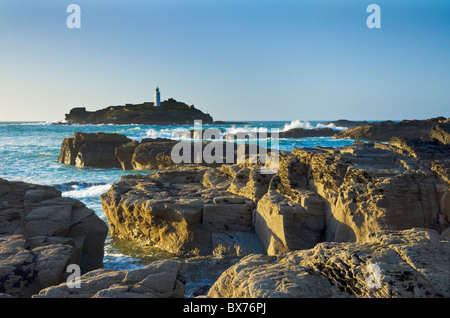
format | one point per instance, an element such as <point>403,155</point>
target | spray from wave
<point>83,190</point>
<point>307,125</point>
<point>175,134</point>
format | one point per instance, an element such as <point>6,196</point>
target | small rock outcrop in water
<point>171,112</point>
<point>406,264</point>
<point>105,150</point>
<point>92,150</point>
<point>385,130</point>
<point>109,150</point>
<point>40,234</point>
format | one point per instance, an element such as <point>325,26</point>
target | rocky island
<point>169,112</point>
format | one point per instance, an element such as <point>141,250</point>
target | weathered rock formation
<point>149,154</point>
<point>160,279</point>
<point>40,234</point>
<point>385,130</point>
<point>184,210</point>
<point>401,264</point>
<point>171,112</point>
<point>441,132</point>
<point>370,187</point>
<point>283,222</point>
<point>344,194</point>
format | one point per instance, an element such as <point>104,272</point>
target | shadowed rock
<point>303,133</point>
<point>92,150</point>
<point>41,233</point>
<point>385,130</point>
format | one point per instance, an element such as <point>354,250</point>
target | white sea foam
<point>307,125</point>
<point>245,132</point>
<point>331,125</point>
<point>245,129</point>
<point>94,191</point>
<point>169,133</point>
<point>132,129</point>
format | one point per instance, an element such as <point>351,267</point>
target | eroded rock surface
<point>441,132</point>
<point>178,209</point>
<point>407,264</point>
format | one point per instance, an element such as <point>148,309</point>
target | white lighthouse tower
<point>157,98</point>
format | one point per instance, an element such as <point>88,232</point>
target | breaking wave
<point>80,190</point>
<point>307,125</point>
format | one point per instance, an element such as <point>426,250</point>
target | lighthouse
<point>157,98</point>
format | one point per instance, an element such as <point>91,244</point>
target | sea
<point>29,152</point>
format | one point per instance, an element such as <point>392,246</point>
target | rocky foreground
<point>411,263</point>
<point>312,229</point>
<point>367,220</point>
<point>41,233</point>
<point>406,264</point>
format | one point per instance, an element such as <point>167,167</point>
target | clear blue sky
<point>236,59</point>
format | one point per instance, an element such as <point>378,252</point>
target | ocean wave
<point>331,125</point>
<point>168,133</point>
<point>84,190</point>
<point>236,130</point>
<point>297,124</point>
<point>137,128</point>
<point>307,125</point>
<point>182,133</point>
<point>23,123</point>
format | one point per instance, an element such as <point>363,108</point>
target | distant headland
<point>168,112</point>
